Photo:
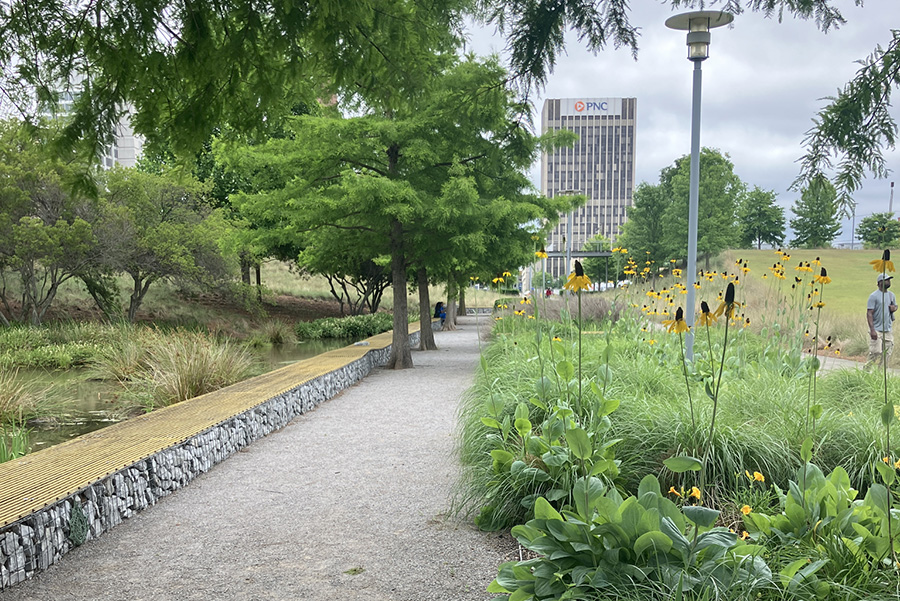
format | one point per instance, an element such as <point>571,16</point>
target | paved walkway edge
<point>35,540</point>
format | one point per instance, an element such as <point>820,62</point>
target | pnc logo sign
<point>581,106</point>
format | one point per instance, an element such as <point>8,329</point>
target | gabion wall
<point>36,542</point>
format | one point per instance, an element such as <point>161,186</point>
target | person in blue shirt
<point>880,316</point>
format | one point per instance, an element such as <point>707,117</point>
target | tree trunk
<point>258,281</point>
<point>245,267</point>
<point>426,334</point>
<point>401,354</point>
<point>461,310</point>
<point>450,322</point>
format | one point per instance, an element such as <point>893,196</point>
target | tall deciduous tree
<point>816,222</point>
<point>645,229</point>
<point>446,177</point>
<point>720,192</point>
<point>44,238</point>
<point>160,229</point>
<point>760,219</point>
<point>880,230</point>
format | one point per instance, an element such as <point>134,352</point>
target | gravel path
<point>346,503</point>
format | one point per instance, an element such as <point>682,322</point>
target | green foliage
<point>353,326</point>
<point>721,191</point>
<point>13,439</point>
<point>21,402</point>
<point>760,219</point>
<point>817,222</point>
<point>644,230</point>
<point>880,230</point>
<point>607,542</point>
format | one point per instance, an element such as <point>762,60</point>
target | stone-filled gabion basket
<point>39,540</point>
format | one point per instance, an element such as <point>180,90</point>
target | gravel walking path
<point>348,502</point>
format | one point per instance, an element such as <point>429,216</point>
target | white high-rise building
<point>599,166</point>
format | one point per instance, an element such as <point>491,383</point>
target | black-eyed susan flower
<point>728,303</point>
<point>707,317</point>
<point>557,339</point>
<point>578,280</point>
<point>541,254</point>
<point>677,325</point>
<point>823,278</point>
<point>884,263</point>
<point>498,280</point>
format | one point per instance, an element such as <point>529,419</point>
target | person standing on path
<point>880,315</point>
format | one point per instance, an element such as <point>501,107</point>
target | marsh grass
<point>182,365</point>
<point>22,402</point>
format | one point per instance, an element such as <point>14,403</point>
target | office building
<point>600,166</point>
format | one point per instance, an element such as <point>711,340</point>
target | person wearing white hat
<point>880,315</point>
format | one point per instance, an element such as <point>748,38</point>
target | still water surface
<point>93,404</point>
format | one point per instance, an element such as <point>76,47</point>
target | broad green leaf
<point>523,427</point>
<point>654,541</point>
<point>586,493</point>
<point>888,415</point>
<point>526,593</point>
<point>648,484</point>
<point>607,353</point>
<point>609,405</point>
<point>683,464</point>
<point>502,456</point>
<point>544,511</point>
<point>816,411</point>
<point>806,449</point>
<point>490,422</point>
<point>494,587</point>
<point>538,403</point>
<point>521,411</point>
<point>484,365</point>
<point>493,406</point>
<point>887,472</point>
<point>579,443</point>
<point>702,516</point>
<point>565,369</point>
<point>543,387</point>
<point>709,391</point>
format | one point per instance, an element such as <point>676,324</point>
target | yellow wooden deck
<point>40,479</point>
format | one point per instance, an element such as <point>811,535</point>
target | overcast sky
<point>762,85</point>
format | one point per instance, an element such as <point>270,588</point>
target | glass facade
<point>600,166</point>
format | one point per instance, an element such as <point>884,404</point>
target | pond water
<point>92,404</point>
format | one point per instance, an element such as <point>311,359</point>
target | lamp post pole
<point>697,24</point>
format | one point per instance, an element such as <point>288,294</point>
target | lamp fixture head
<point>698,24</point>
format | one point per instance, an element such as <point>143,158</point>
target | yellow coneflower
<point>506,274</point>
<point>728,304</point>
<point>577,280</point>
<point>557,339</point>
<point>677,325</point>
<point>707,318</point>
<point>822,278</point>
<point>884,263</point>
<point>525,301</point>
<point>519,312</point>
<point>541,254</point>
<point>497,280</point>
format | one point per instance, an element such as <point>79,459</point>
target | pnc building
<point>599,166</point>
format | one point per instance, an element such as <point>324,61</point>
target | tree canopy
<point>880,230</point>
<point>816,221</point>
<point>760,219</point>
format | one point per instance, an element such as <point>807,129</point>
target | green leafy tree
<point>761,220</point>
<point>816,221</point>
<point>880,230</point>
<point>443,179</point>
<point>720,193</point>
<point>44,238</point>
<point>645,229</point>
<point>157,227</point>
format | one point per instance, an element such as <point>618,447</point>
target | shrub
<point>354,327</point>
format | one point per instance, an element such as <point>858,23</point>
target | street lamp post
<point>697,24</point>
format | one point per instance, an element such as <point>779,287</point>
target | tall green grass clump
<point>13,442</point>
<point>21,402</point>
<point>182,365</point>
